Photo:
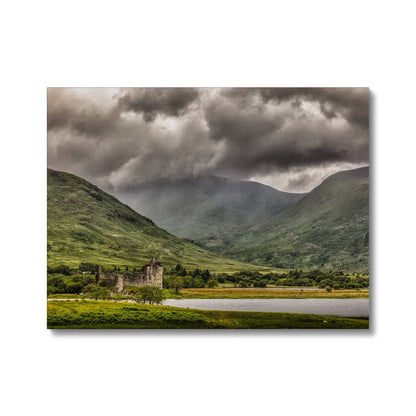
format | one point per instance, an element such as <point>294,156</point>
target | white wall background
<point>216,43</point>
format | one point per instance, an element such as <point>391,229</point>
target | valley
<point>85,224</point>
<point>328,228</point>
<point>235,240</point>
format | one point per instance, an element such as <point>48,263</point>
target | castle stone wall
<point>150,275</point>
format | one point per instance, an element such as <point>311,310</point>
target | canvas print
<point>208,208</point>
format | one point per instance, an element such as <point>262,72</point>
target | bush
<point>126,315</point>
<point>212,283</point>
<point>62,269</point>
<point>74,287</point>
<point>188,281</point>
<point>198,283</point>
<point>51,290</point>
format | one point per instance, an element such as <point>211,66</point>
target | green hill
<point>207,207</point>
<point>86,224</point>
<point>328,229</point>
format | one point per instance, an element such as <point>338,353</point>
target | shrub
<point>51,290</point>
<point>198,282</point>
<point>188,281</point>
<point>62,269</point>
<point>57,281</point>
<point>74,287</point>
<point>212,283</point>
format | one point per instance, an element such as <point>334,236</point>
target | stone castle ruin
<point>151,274</point>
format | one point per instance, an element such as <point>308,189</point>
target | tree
<point>212,283</point>
<point>178,284</point>
<point>328,289</point>
<point>188,281</point>
<point>74,287</point>
<point>198,282</point>
<point>62,269</point>
<point>205,275</point>
<point>58,283</point>
<point>221,278</point>
<point>97,292</point>
<point>196,273</point>
<point>180,271</point>
<point>151,294</point>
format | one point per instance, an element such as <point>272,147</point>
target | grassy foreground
<point>85,314</point>
<point>296,293</point>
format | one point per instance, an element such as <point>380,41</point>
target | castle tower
<point>153,273</point>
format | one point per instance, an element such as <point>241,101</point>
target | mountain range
<point>208,206</point>
<point>232,222</point>
<point>328,228</point>
<point>85,224</point>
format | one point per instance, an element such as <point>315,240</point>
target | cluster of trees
<point>62,279</point>
<point>331,279</point>
<point>76,283</point>
<point>179,277</point>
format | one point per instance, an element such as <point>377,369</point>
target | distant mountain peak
<point>207,205</point>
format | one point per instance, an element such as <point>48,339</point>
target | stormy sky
<point>288,138</point>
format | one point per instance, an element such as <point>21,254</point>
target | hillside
<point>208,206</point>
<point>328,228</point>
<point>86,224</point>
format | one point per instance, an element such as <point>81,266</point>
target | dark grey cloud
<point>233,121</point>
<point>67,110</point>
<point>260,137</point>
<point>287,137</point>
<point>349,103</point>
<point>153,102</point>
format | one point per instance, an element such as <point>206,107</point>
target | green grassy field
<point>246,293</point>
<point>84,314</point>
<point>228,293</point>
